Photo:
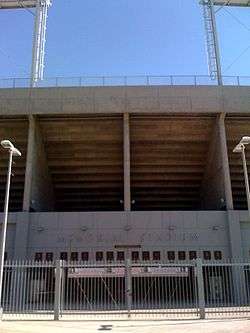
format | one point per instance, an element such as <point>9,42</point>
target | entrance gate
<point>130,289</point>
<point>126,290</point>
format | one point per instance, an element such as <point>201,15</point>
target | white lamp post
<point>240,148</point>
<point>12,152</point>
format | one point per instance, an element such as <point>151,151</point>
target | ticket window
<point>64,256</point>
<point>38,256</point>
<point>135,255</point>
<point>49,256</point>
<point>181,255</point>
<point>145,255</point>
<point>171,255</point>
<point>99,256</point>
<point>207,255</point>
<point>120,256</point>
<point>85,256</point>
<point>74,256</point>
<point>156,255</point>
<point>217,255</point>
<point>110,256</point>
<point>192,255</point>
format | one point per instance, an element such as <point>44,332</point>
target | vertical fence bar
<point>58,284</point>
<point>200,283</point>
<point>128,286</point>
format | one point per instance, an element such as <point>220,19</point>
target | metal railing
<point>86,290</point>
<point>139,80</point>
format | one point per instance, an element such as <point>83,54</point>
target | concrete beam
<point>38,190</point>
<point>117,100</point>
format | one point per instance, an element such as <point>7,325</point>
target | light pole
<point>240,148</point>
<point>12,152</point>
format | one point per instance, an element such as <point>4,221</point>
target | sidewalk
<point>206,326</point>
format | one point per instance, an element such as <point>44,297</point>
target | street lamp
<point>6,144</point>
<point>240,148</point>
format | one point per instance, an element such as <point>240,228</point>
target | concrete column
<point>213,193</point>
<point>38,190</point>
<point>126,162</point>
<point>225,162</point>
<point>29,165</point>
<point>233,220</point>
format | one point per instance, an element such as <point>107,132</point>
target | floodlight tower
<point>213,50</point>
<point>39,35</point>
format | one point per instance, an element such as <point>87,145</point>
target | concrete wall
<point>153,99</point>
<point>17,235</point>
<point>56,232</point>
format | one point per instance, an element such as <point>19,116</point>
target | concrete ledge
<point>138,99</point>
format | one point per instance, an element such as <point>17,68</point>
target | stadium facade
<point>149,168</point>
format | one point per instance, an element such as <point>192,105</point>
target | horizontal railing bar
<point>123,80</point>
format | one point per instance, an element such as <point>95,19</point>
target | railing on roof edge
<point>139,80</point>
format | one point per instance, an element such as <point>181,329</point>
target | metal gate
<point>128,289</point>
<point>131,289</point>
<point>28,288</point>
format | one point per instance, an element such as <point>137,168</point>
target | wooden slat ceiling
<point>85,158</point>
<point>236,128</point>
<point>15,130</point>
<point>168,158</point>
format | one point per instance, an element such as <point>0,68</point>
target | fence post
<point>200,285</point>
<point>58,288</point>
<point>128,286</point>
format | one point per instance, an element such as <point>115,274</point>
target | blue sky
<point>123,37</point>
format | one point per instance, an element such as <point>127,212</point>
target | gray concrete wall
<point>199,231</point>
<point>153,99</point>
<point>244,222</point>
<point>29,233</point>
<point>17,234</point>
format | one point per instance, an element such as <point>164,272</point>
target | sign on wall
<point>135,271</point>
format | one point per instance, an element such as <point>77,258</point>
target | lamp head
<point>6,144</point>
<point>238,148</point>
<point>245,140</point>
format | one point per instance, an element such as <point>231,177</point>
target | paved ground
<point>207,326</point>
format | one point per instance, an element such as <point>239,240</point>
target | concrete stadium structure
<point>106,166</point>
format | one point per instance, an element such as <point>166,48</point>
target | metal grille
<point>126,289</point>
<point>28,288</point>
<point>227,289</point>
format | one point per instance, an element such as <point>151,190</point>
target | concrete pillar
<point>212,189</point>
<point>126,162</point>
<point>29,165</point>
<point>234,231</point>
<point>233,220</point>
<point>225,162</point>
<point>38,190</point>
